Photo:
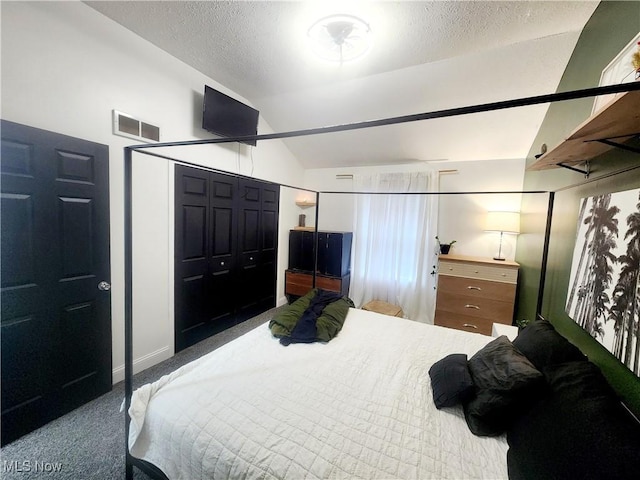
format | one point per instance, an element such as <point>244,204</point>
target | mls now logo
<point>27,466</point>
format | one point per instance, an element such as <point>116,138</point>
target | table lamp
<point>503,222</point>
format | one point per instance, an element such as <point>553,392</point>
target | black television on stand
<point>227,117</point>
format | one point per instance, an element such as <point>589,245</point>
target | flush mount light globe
<point>340,38</point>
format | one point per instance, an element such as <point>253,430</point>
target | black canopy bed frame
<point>145,149</point>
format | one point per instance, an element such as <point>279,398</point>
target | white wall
<point>460,217</point>
<point>65,67</point>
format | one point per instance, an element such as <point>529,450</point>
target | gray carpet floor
<point>89,443</point>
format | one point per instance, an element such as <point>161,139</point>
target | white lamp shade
<point>508,222</point>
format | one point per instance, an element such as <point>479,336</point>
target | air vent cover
<point>127,126</point>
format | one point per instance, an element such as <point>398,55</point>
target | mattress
<point>359,406</point>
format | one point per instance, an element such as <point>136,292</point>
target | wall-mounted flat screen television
<point>227,116</point>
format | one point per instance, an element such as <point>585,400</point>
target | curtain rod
<point>349,176</point>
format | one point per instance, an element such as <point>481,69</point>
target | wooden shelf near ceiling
<point>618,121</point>
<point>305,229</point>
<point>305,203</point>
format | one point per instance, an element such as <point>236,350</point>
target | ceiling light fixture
<point>340,38</point>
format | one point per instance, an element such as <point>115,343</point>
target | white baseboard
<point>142,363</point>
<point>282,301</point>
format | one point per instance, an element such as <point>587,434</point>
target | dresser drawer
<point>464,322</point>
<point>327,283</point>
<point>479,271</point>
<point>303,279</point>
<point>298,283</point>
<point>476,288</point>
<point>494,310</point>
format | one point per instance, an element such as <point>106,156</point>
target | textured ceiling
<point>427,55</point>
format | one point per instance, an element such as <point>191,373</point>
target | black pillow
<point>544,346</point>
<point>451,381</point>
<point>506,382</point>
<point>579,430</point>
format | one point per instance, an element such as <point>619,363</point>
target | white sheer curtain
<point>394,242</point>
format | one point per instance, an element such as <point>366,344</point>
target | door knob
<point>104,286</point>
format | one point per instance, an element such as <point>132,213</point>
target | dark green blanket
<point>328,324</point>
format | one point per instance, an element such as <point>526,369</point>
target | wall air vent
<point>127,126</point>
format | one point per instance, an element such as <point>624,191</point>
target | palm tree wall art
<point>604,286</point>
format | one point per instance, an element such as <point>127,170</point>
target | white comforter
<point>359,406</point>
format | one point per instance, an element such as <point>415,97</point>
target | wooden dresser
<point>475,292</point>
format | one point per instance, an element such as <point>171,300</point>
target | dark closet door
<point>191,254</point>
<point>56,317</point>
<point>225,250</point>
<point>222,251</point>
<point>269,254</point>
<point>249,248</point>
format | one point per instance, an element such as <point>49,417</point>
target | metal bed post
<point>316,243</point>
<point>545,255</point>
<point>128,303</point>
<point>449,112</point>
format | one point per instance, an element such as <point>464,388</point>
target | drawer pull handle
<point>472,306</point>
<point>471,287</point>
<point>469,325</point>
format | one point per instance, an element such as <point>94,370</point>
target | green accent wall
<point>610,29</point>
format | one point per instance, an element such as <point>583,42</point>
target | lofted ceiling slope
<point>427,55</point>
